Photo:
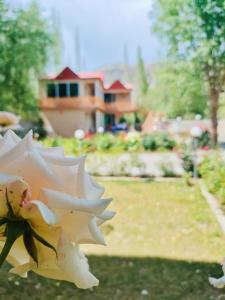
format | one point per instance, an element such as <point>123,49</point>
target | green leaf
<point>43,241</point>
<point>30,245</point>
<point>10,210</point>
<point>13,231</point>
<point>3,221</point>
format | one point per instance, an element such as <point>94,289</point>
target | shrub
<point>205,140</point>
<point>212,169</point>
<point>158,141</point>
<point>150,142</point>
<point>39,129</point>
<point>188,163</point>
<point>104,141</point>
<point>167,143</point>
<point>133,141</point>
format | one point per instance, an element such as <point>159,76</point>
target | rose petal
<point>61,161</point>
<point>105,216</point>
<point>217,283</point>
<point>85,185</point>
<point>8,178</point>
<point>73,262</point>
<point>20,148</point>
<point>6,143</point>
<point>43,166</point>
<point>21,270</point>
<point>65,201</point>
<point>96,232</point>
<point>47,214</point>
<point>13,136</point>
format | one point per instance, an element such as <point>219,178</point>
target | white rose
<point>57,201</point>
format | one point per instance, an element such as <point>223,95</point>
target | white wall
<point>66,122</point>
<point>98,89</point>
<point>99,119</point>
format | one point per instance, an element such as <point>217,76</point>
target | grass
<point>162,245</point>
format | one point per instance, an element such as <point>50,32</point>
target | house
<point>73,101</point>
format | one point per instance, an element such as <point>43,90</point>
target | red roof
<point>91,75</point>
<point>117,85</point>
<point>67,74</point>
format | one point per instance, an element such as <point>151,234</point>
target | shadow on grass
<point>122,278</point>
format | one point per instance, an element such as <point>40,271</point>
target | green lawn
<point>162,245</point>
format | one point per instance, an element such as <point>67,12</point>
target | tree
<point>143,80</point>
<point>177,90</point>
<point>23,54</point>
<point>77,49</point>
<point>56,40</point>
<point>195,30</point>
<point>126,62</point>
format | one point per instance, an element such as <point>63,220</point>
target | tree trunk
<point>214,97</point>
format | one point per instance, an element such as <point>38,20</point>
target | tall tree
<point>23,53</point>
<point>177,90</point>
<point>142,76</point>
<point>57,40</point>
<point>195,30</point>
<point>77,49</point>
<point>126,62</point>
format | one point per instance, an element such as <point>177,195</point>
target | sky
<point>104,28</point>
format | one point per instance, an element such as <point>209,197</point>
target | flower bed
<point>107,142</point>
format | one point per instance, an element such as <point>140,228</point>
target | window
<point>62,90</point>
<point>51,91</point>
<point>109,98</point>
<point>74,89</point>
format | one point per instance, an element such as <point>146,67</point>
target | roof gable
<point>67,74</point>
<point>117,85</point>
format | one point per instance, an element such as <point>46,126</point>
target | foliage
<point>177,90</point>
<point>133,119</point>
<point>38,128</point>
<point>56,39</point>
<point>195,31</point>
<point>25,40</point>
<point>158,141</point>
<point>167,170</point>
<point>107,142</point>
<point>188,163</point>
<point>71,146</point>
<point>150,142</point>
<point>205,140</point>
<point>132,141</point>
<point>212,169</point>
<point>104,141</point>
<point>143,84</point>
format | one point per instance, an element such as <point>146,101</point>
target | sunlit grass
<point>162,245</point>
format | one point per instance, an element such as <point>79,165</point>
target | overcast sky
<point>105,26</point>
